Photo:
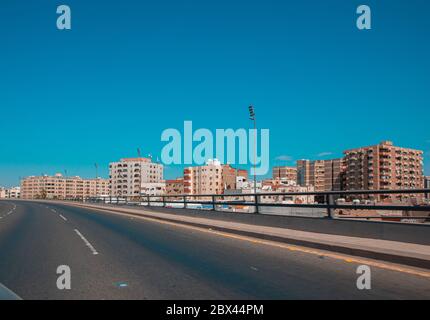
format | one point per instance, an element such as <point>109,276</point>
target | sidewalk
<point>392,251</point>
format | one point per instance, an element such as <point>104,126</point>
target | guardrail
<point>329,201</point>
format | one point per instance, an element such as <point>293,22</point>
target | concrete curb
<point>364,253</point>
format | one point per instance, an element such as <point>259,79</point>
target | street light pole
<point>252,118</point>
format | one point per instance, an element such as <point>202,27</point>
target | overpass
<point>124,251</point>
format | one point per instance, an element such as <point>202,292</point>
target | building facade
<point>59,187</point>
<point>212,178</point>
<point>132,177</point>
<point>13,193</point>
<point>323,175</point>
<point>277,186</point>
<point>383,167</point>
<point>285,173</point>
<point>175,187</point>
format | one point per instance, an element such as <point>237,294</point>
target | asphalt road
<point>121,257</point>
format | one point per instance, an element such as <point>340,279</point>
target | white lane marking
<point>87,243</point>
<point>63,217</point>
<point>8,213</point>
<point>53,210</point>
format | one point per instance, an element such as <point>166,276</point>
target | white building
<point>11,193</point>
<point>14,193</point>
<point>154,189</point>
<point>132,177</point>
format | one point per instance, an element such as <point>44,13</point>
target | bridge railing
<point>400,205</point>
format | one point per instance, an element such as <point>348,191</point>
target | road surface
<point>121,257</point>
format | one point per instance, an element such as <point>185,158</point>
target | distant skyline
<point>128,70</point>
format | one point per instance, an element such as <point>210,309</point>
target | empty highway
<point>115,256</point>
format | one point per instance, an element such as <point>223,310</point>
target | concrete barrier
<point>393,231</point>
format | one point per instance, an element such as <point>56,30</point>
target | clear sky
<point>130,69</point>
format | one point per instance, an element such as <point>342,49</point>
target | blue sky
<point>130,69</point>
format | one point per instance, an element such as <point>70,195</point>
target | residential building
<point>303,172</point>
<point>154,189</point>
<point>175,187</point>
<point>276,186</point>
<point>285,173</point>
<point>13,193</point>
<point>132,177</point>
<point>323,175</point>
<point>59,187</point>
<point>212,178</point>
<point>383,167</point>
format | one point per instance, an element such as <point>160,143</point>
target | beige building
<point>383,167</point>
<point>59,187</point>
<point>323,175</point>
<point>132,177</point>
<point>175,187</point>
<point>212,178</point>
<point>285,173</point>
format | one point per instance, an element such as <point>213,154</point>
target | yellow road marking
<point>344,258</point>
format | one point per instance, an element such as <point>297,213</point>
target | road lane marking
<point>8,213</point>
<point>293,248</point>
<point>63,217</point>
<point>87,243</point>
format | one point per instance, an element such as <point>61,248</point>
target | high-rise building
<point>303,172</point>
<point>324,175</point>
<point>59,187</point>
<point>132,177</point>
<point>384,167</point>
<point>285,173</point>
<point>212,178</point>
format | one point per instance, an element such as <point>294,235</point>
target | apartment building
<point>323,175</point>
<point>132,177</point>
<point>13,193</point>
<point>383,167</point>
<point>175,186</point>
<point>212,178</point>
<point>285,173</point>
<point>59,187</point>
<point>427,185</point>
<point>2,193</point>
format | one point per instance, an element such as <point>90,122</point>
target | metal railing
<point>332,204</point>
